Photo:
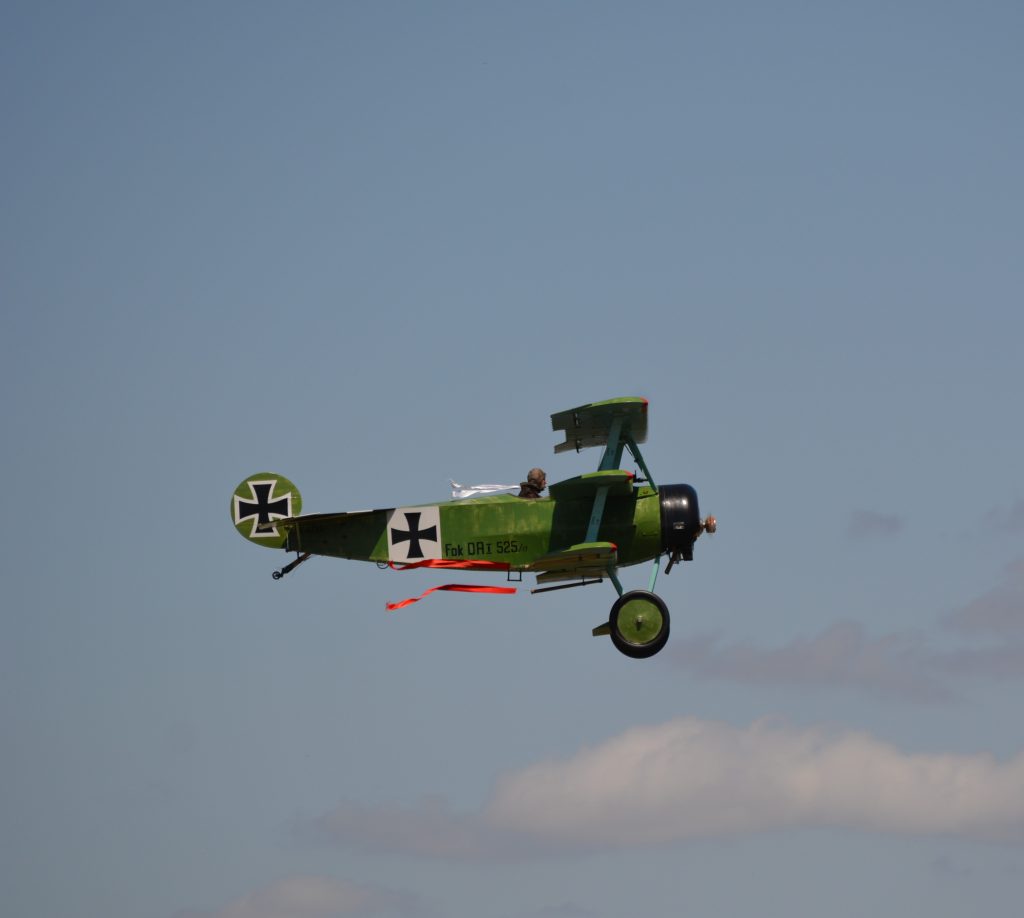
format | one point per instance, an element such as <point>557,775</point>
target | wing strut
<point>634,451</point>
<point>616,424</point>
<point>613,448</point>
<point>612,459</point>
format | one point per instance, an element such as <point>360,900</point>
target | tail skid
<point>288,568</point>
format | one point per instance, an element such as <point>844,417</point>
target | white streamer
<point>460,491</point>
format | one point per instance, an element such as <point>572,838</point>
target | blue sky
<point>373,247</point>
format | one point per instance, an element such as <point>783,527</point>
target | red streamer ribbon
<point>454,587</point>
<point>453,564</point>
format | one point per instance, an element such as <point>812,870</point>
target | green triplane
<point>587,528</point>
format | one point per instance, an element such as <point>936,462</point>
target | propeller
<point>708,525</point>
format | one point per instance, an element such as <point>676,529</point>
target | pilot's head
<point>537,478</point>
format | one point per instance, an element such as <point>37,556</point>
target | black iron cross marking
<point>263,506</point>
<point>414,535</point>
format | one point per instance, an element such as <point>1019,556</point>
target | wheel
<point>639,624</point>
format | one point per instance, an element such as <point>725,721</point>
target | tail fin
<point>260,501</point>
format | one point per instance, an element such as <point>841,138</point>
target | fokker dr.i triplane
<point>587,528</point>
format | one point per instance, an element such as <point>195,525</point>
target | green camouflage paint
<point>500,528</point>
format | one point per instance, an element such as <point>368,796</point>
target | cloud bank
<point>869,524</point>
<point>901,665</point>
<point>313,897</point>
<point>691,779</point>
<point>998,613</point>
<point>895,665</point>
<point>1006,519</point>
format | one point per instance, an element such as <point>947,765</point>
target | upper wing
<point>588,559</point>
<point>594,424</point>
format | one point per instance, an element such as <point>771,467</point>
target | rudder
<point>258,502</point>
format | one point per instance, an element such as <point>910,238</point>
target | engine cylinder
<point>680,519</point>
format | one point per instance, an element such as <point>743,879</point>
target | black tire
<point>631,628</point>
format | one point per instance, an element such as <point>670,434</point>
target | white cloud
<point>904,664</point>
<point>869,524</point>
<point>314,897</point>
<point>999,612</point>
<point>429,829</point>
<point>993,663</point>
<point>893,665</point>
<point>1007,519</point>
<point>690,779</point>
<point>565,910</point>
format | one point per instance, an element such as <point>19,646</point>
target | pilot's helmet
<point>536,476</point>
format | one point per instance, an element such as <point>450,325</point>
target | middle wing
<point>618,482</point>
<point>588,559</point>
<point>615,424</point>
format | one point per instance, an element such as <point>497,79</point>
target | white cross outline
<point>272,532</point>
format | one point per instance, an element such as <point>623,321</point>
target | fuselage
<point>500,528</point>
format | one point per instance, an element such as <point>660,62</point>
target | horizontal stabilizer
<point>590,425</point>
<point>332,533</point>
<point>316,519</point>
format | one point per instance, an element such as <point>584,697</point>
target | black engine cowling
<point>680,519</point>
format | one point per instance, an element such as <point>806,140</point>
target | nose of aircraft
<point>680,519</point>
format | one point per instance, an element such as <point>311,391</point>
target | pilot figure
<point>535,482</point>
